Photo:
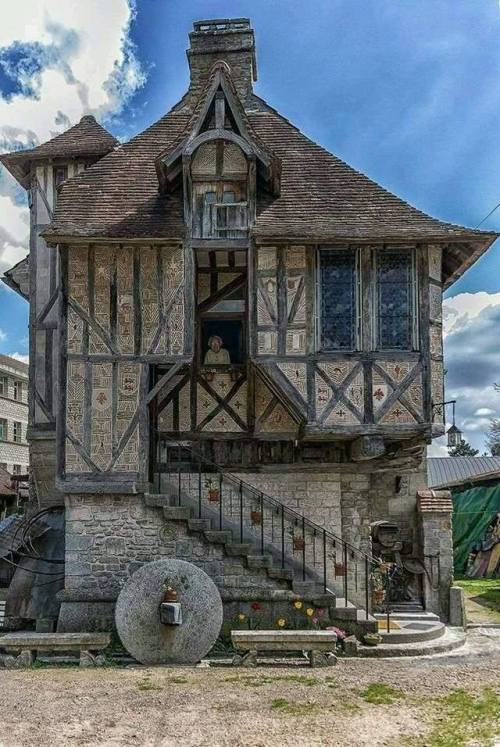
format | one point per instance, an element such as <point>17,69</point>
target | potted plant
<point>298,542</point>
<point>213,492</point>
<point>339,569</point>
<point>256,518</point>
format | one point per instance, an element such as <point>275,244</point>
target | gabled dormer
<point>220,164</point>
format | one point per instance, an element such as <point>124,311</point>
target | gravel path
<point>228,706</point>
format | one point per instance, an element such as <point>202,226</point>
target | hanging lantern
<point>454,434</point>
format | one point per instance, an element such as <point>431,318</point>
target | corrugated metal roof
<point>449,470</point>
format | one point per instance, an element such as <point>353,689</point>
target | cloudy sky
<point>407,92</point>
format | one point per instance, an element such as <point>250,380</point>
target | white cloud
<point>472,359</point>
<point>77,58</point>
<point>19,357</point>
<point>3,335</point>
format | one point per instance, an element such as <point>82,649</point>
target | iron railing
<point>293,542</point>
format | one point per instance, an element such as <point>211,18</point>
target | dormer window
<point>219,173</point>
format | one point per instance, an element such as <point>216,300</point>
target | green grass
<point>259,680</point>
<point>146,684</point>
<point>178,680</point>
<point>379,693</point>
<point>464,719</point>
<point>282,705</point>
<point>486,591</point>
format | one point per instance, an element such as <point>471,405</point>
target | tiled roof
<point>445,471</point>
<point>6,360</point>
<point>322,198</point>
<point>87,138</point>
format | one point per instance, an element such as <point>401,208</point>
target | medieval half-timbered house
<point>235,353</point>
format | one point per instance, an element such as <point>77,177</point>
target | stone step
<point>176,513</point>
<point>429,616</point>
<point>412,632</point>
<point>220,536</point>
<point>238,548</point>
<point>283,574</point>
<point>452,639</point>
<point>305,588</point>
<point>158,499</point>
<point>346,611</point>
<point>199,525</point>
<point>259,561</point>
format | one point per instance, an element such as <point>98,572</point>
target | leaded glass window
<point>338,293</point>
<point>394,300</point>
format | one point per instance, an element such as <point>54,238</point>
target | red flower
<point>256,606</point>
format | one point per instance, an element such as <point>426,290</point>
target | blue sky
<point>407,92</point>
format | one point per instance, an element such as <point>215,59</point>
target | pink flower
<point>341,634</point>
<point>320,613</point>
<point>315,620</point>
<point>256,606</point>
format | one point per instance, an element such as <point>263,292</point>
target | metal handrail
<point>300,525</point>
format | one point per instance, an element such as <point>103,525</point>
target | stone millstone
<point>138,620</point>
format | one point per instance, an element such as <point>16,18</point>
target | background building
<point>14,455</point>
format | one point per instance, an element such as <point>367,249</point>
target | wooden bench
<point>22,647</point>
<point>318,644</point>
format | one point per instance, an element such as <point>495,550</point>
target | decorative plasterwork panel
<point>435,303</point>
<point>267,342</point>
<point>74,332</point>
<point>129,375</point>
<point>397,370</point>
<point>266,258</point>
<point>78,281</point>
<point>296,342</point>
<point>74,462</point>
<point>296,374</point>
<point>437,390</point>
<point>263,397</point>
<point>103,261</point>
<point>435,254</point>
<point>267,301</point>
<point>125,299</point>
<point>101,424</point>
<point>436,340</point>
<point>185,408</point>
<point>295,258</point>
<point>397,414</point>
<point>150,311</point>
<point>339,393</point>
<point>128,460</point>
<point>381,390</point>
<point>75,398</point>
<point>278,421</point>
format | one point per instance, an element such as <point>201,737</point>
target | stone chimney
<point>230,40</point>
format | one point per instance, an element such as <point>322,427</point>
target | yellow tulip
<point>281,622</point>
<point>297,604</point>
<point>241,616</point>
<point>309,612</point>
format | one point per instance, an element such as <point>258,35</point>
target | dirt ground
<point>355,704</point>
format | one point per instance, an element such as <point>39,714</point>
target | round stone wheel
<point>137,613</point>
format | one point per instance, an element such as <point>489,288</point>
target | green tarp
<point>476,531</point>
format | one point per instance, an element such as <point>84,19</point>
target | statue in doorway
<point>216,354</point>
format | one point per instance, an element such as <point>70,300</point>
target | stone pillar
<point>434,515</point>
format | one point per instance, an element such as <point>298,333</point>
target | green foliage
<point>463,449</point>
<point>282,705</point>
<point>485,591</point>
<point>145,684</point>
<point>249,680</point>
<point>465,719</point>
<point>493,439</point>
<point>379,693</point>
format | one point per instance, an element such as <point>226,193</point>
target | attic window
<point>395,299</point>
<point>60,175</point>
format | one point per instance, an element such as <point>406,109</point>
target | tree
<point>463,449</point>
<point>493,440</point>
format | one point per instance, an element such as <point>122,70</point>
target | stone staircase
<point>277,577</point>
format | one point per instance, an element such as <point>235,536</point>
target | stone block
<point>457,615</point>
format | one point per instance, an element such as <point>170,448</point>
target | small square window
<point>18,390</point>
<point>3,429</point>
<point>4,384</point>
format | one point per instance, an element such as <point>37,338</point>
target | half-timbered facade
<point>223,283</point>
